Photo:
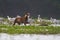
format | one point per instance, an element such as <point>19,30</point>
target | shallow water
<point>4,36</point>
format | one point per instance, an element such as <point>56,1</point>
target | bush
<point>45,23</point>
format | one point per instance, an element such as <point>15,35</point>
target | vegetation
<point>10,29</point>
<point>42,28</point>
<point>45,23</point>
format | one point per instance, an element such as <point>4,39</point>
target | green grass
<point>10,29</point>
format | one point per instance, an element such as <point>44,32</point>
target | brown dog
<point>20,20</point>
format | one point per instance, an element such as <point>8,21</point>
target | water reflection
<point>4,36</point>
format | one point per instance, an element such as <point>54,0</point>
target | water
<point>4,36</point>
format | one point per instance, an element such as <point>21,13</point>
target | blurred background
<point>46,8</point>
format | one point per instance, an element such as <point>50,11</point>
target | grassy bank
<point>10,29</point>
